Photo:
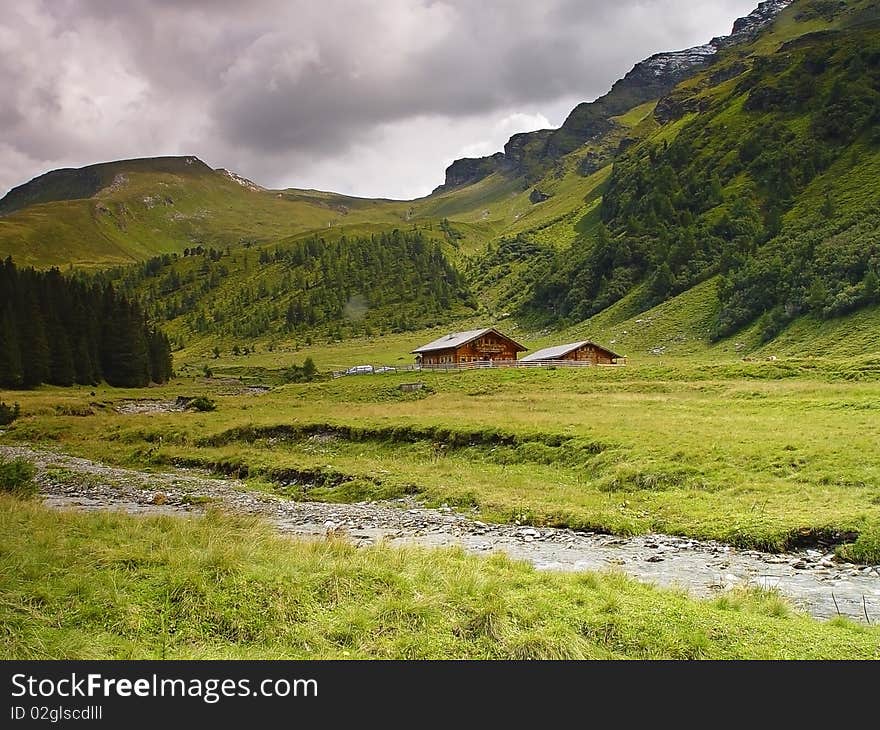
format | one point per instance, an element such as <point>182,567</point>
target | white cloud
<point>501,131</point>
<point>369,98</point>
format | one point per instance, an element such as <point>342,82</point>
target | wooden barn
<point>472,347</point>
<point>585,352</point>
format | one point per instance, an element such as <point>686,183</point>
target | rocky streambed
<point>812,580</point>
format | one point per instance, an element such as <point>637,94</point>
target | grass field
<point>109,586</point>
<point>760,444</point>
<point>760,454</point>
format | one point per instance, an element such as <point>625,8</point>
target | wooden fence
<point>482,365</point>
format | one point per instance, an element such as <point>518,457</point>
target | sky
<point>370,97</point>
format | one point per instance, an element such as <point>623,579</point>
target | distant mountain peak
<point>673,67</point>
<point>76,183</point>
<point>758,18</point>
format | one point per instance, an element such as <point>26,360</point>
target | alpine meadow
<point>610,393</point>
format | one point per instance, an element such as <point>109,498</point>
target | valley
<point>713,219</point>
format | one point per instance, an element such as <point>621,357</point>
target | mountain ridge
<point>79,183</point>
<point>747,190</point>
<point>649,79</point>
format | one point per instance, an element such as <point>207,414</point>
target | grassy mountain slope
<point>301,289</point>
<point>729,206</point>
<point>552,209</point>
<point>764,178</point>
<point>80,183</point>
<point>131,210</point>
<point>128,211</point>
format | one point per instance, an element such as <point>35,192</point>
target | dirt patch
<point>819,539</point>
<point>149,405</point>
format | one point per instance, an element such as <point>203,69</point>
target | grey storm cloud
<point>369,97</point>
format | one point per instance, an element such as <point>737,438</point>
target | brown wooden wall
<point>590,353</point>
<point>483,349</point>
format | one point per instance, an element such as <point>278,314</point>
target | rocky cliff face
<point>664,68</point>
<point>650,79</point>
<point>470,170</point>
<point>757,20</point>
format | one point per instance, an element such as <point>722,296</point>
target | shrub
<point>305,373</point>
<point>202,403</point>
<point>8,413</point>
<point>17,478</point>
<point>73,410</point>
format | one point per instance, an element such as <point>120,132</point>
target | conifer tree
<point>32,338</point>
<point>60,330</point>
<point>10,353</point>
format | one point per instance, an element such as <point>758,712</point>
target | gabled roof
<point>558,352</point>
<point>457,339</point>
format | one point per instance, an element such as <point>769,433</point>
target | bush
<point>305,373</point>
<point>202,404</point>
<point>8,413</point>
<point>17,478</point>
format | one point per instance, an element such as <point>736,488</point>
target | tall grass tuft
<point>108,585</point>
<point>17,478</point>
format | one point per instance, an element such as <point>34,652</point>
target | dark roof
<point>457,339</point>
<point>557,352</point>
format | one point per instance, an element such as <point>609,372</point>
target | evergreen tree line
<point>512,269</point>
<point>65,330</point>
<point>398,268</point>
<point>398,279</point>
<point>393,280</point>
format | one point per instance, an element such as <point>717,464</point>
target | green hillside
<point>80,183</point>
<point>131,211</point>
<point>301,290</point>
<point>731,196</point>
<point>771,186</point>
<point>135,209</point>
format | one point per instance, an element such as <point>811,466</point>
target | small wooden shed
<point>586,352</point>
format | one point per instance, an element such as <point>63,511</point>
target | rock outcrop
<point>238,179</point>
<point>470,170</point>
<point>536,196</point>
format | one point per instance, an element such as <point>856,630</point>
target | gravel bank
<point>812,580</point>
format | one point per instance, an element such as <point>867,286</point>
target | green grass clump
<point>202,404</point>
<point>101,586</point>
<point>865,549</point>
<point>17,478</point>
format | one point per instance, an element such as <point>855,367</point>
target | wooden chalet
<point>581,352</point>
<point>466,348</point>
